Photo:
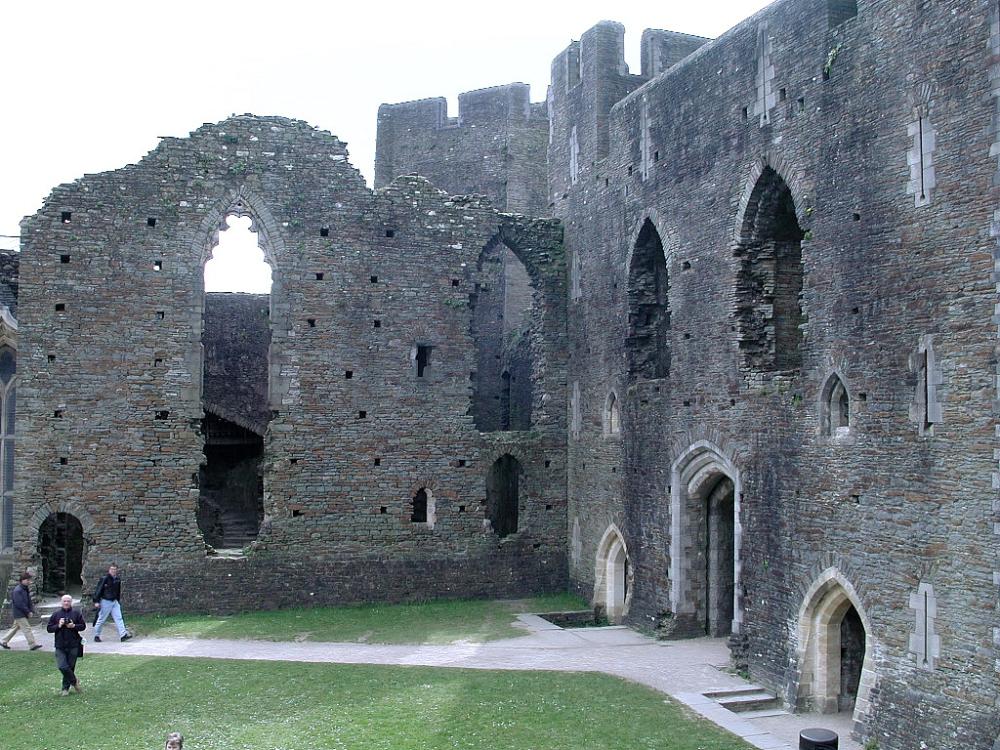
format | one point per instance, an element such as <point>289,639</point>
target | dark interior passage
<point>236,338</point>
<point>852,658</point>
<point>61,547</point>
<point>720,559</point>
<point>231,505</point>
<point>418,507</point>
<point>502,495</point>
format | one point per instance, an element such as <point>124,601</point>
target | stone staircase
<point>749,701</point>
<point>238,531</point>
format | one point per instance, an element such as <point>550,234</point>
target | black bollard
<point>818,739</point>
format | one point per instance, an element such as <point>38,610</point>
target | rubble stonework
<point>112,341</point>
<point>755,394</point>
<point>794,252</point>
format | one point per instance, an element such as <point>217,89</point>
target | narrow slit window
<point>423,359</point>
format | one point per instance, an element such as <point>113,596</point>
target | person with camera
<point>66,623</point>
<point>22,609</point>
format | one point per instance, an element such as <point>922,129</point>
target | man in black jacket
<point>22,608</point>
<point>66,623</point>
<point>107,599</point>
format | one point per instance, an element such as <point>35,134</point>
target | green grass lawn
<point>438,622</point>
<point>131,702</point>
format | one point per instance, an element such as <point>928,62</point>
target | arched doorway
<point>61,547</point>
<point>612,575</point>
<point>719,557</point>
<point>704,542</point>
<point>834,649</point>
<point>502,489</point>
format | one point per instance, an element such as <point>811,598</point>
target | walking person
<point>66,623</point>
<point>107,600</point>
<point>22,608</point>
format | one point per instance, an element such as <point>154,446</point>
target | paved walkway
<point>682,669</point>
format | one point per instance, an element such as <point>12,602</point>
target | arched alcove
<point>612,416</point>
<point>705,541</point>
<point>647,346</point>
<point>503,329</point>
<point>502,495</point>
<point>61,548</point>
<point>422,508</point>
<point>835,649</point>
<point>612,575</point>
<point>835,407</point>
<point>769,282</point>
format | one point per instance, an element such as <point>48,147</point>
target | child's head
<point>175,741</point>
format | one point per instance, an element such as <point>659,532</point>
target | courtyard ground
<point>131,702</point>
<point>684,670</point>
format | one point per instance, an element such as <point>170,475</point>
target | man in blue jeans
<point>107,598</point>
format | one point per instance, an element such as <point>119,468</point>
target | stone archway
<point>835,649</point>
<point>705,538</point>
<point>61,548</point>
<point>612,575</point>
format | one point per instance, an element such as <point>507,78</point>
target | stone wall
<point>879,127</point>
<point>111,399</point>
<point>494,147</point>
<point>235,339</point>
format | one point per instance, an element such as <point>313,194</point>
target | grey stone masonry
<point>782,190</point>
<point>115,337</point>
<point>495,146</point>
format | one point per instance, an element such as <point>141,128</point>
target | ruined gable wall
<point>494,147</point>
<point>129,430</point>
<point>889,507</point>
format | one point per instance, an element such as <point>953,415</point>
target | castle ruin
<point>714,344</point>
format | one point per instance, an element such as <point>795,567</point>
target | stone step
<point>749,689</point>
<point>745,699</point>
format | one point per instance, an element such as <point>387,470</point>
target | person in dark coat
<point>66,623</point>
<point>107,601</point>
<point>22,608</point>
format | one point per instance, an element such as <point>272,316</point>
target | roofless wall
<point>371,367</point>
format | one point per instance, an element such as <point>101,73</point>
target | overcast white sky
<point>88,86</point>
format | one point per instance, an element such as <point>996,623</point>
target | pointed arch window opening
<point>835,409</point>
<point>505,322</point>
<point>770,280</point>
<point>648,342</point>
<point>612,416</point>
<point>237,262</point>
<point>237,344</point>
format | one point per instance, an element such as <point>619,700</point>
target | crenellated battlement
<point>496,145</point>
